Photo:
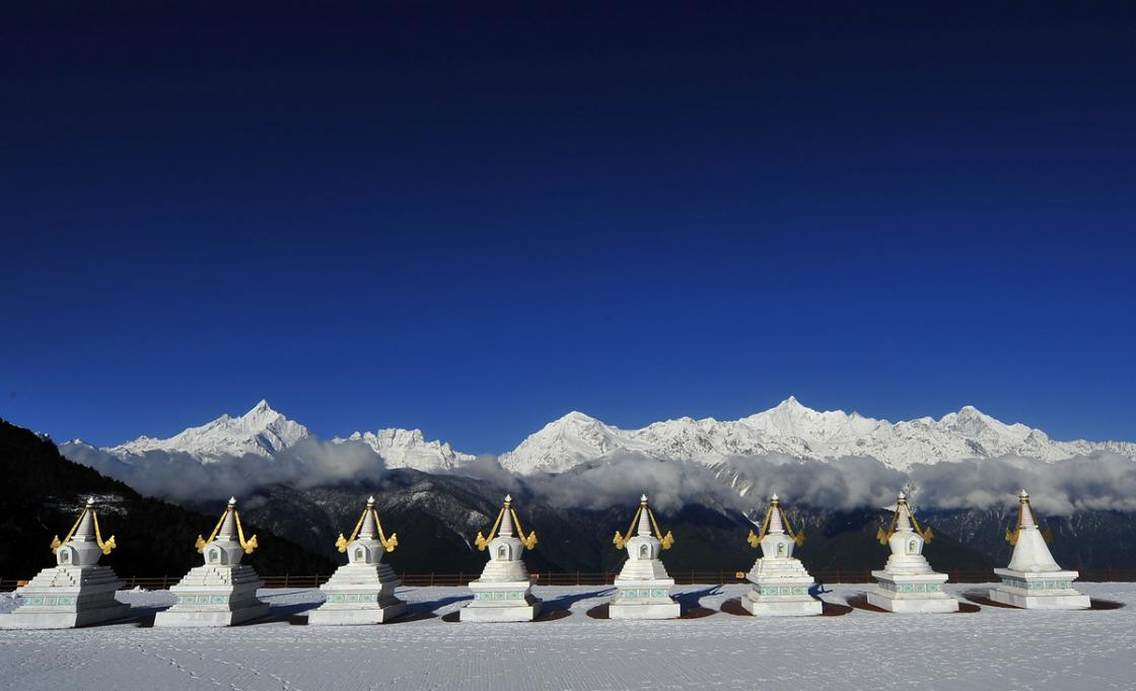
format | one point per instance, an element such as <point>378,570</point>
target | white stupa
<point>362,590</point>
<point>1033,579</point>
<point>780,582</point>
<point>76,591</point>
<point>643,584</point>
<point>222,591</point>
<point>503,593</point>
<point>907,583</point>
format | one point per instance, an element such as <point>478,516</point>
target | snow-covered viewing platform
<point>715,645</point>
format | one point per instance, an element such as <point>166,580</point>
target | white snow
<point>794,430</point>
<point>993,648</point>
<point>261,432</point>
<point>408,448</point>
<point>789,429</point>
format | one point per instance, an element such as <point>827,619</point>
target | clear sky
<point>474,223</point>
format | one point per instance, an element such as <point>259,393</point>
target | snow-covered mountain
<point>261,432</point>
<point>407,448</point>
<point>265,432</point>
<point>791,429</point>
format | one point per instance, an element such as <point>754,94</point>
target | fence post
<point>285,580</point>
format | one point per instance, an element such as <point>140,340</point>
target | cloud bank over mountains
<point>825,459</point>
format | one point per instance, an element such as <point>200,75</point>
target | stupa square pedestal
<point>781,597</point>
<point>359,594</point>
<point>214,596</point>
<point>1038,590</point>
<point>911,594</point>
<point>643,599</point>
<point>66,598</point>
<point>76,591</point>
<point>355,612</point>
<point>502,601</point>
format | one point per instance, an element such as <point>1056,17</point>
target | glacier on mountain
<point>796,431</point>
<point>789,429</point>
<point>260,432</point>
<point>266,433</point>
<point>408,448</point>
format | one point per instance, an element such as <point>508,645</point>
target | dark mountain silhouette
<point>43,492</point>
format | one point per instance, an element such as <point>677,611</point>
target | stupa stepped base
<point>66,597</point>
<point>780,589</point>
<point>644,610</point>
<point>209,618</point>
<point>644,599</point>
<point>355,616</point>
<point>1038,590</point>
<point>501,601</point>
<point>359,594</point>
<point>215,596</point>
<point>911,593</point>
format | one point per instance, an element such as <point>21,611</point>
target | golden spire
<point>370,524</point>
<point>643,516</point>
<point>509,515</point>
<point>229,521</point>
<point>86,524</point>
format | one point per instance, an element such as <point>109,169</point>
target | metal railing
<point>423,580</point>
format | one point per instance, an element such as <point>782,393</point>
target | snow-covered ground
<point>986,648</point>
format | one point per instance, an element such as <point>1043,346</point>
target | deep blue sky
<point>475,223</point>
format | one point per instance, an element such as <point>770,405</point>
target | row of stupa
<point>222,590</point>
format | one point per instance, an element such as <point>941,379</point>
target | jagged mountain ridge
<point>789,429</point>
<point>793,430</point>
<point>260,432</point>
<point>264,432</point>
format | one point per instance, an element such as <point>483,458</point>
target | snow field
<point>992,648</point>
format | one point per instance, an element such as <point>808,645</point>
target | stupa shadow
<point>860,602</point>
<point>285,613</point>
<point>691,602</point>
<point>143,617</point>
<point>419,611</point>
<point>979,597</point>
<point>1104,604</point>
<point>565,602</point>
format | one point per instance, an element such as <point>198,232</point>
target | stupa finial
<point>506,522</point>
<point>644,528</point>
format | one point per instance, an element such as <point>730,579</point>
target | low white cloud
<point>1102,481</point>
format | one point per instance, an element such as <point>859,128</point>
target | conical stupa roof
<point>903,515</point>
<point>368,530</point>
<point>85,531</point>
<point>775,523</point>
<point>228,529</point>
<point>644,528</point>
<point>1030,551</point>
<point>507,519</point>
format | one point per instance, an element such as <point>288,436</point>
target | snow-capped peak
<point>788,429</point>
<point>563,443</point>
<point>408,448</point>
<point>795,430</point>
<point>261,431</point>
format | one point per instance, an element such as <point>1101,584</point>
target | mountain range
<point>789,429</point>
